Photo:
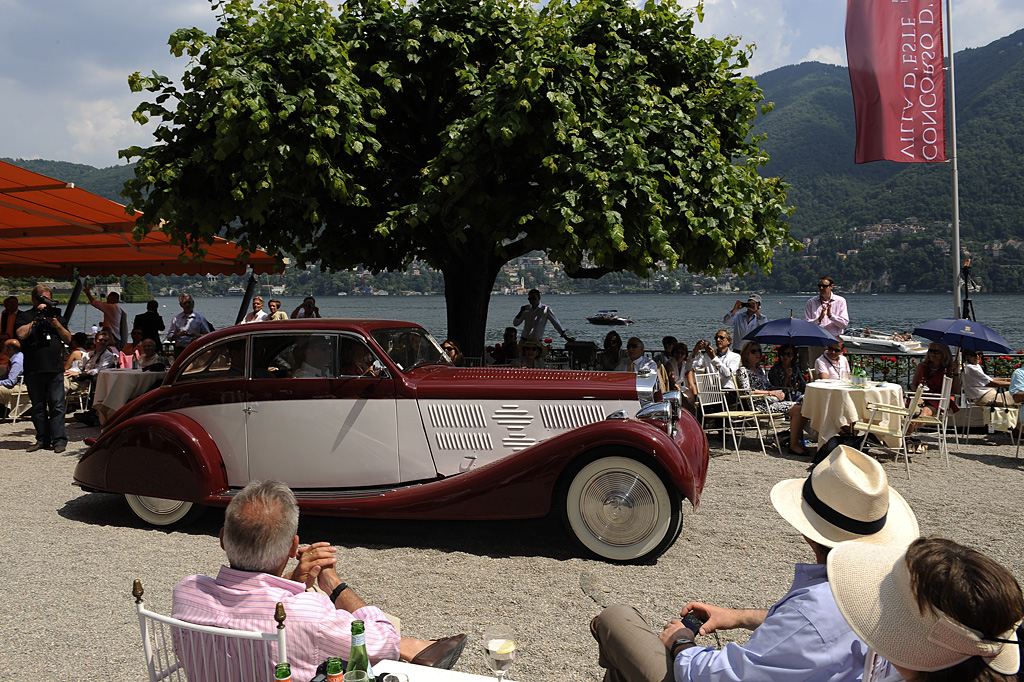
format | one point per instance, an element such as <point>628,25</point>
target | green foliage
<point>462,133</point>
<point>135,290</point>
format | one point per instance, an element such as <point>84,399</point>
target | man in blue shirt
<point>803,637</point>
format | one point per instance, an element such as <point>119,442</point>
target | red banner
<point>894,49</point>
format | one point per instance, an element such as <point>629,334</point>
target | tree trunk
<point>467,293</point>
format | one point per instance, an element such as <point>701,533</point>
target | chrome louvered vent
<point>464,441</point>
<point>565,417</point>
<point>457,417</point>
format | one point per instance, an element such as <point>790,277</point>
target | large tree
<point>464,133</point>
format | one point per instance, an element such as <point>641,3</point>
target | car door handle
<point>249,410</point>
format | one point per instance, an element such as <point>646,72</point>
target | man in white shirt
<point>635,360</point>
<point>258,314</point>
<point>188,325</point>
<point>114,319</point>
<point>722,359</point>
<point>744,317</point>
<point>536,317</point>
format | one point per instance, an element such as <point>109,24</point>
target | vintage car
<point>367,418</point>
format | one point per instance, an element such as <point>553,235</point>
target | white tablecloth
<point>831,405</point>
<point>116,387</point>
<point>419,673</point>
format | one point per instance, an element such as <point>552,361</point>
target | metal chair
<point>710,395</point>
<point>182,651</point>
<point>899,430</point>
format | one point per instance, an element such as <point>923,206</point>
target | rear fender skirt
<point>158,455</point>
<point>522,485</point>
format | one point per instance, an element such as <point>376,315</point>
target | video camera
<point>50,311</point>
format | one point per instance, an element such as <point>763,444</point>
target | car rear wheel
<point>622,510</point>
<point>158,511</point>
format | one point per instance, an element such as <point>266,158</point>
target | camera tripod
<point>967,309</point>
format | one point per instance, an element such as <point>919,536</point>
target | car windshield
<point>410,347</point>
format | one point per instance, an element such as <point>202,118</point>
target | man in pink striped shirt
<point>259,537</point>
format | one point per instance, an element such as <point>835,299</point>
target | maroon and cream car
<point>367,418</point>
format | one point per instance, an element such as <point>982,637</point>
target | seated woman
<point>980,388</point>
<point>786,374</point>
<point>531,354</point>
<point>832,364</point>
<point>613,353</point>
<point>751,377</point>
<point>454,354</point>
<point>937,364</point>
<point>680,370</point>
<point>934,612</point>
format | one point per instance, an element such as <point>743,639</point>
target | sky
<point>64,64</point>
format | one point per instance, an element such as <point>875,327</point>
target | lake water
<point>686,317</point>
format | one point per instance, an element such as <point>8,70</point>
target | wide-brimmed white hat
<point>846,497</point>
<point>871,584</point>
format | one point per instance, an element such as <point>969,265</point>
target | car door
<point>318,415</point>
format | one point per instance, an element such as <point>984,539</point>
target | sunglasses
<point>720,337</point>
<point>448,348</point>
<point>934,350</point>
<point>755,350</point>
<point>529,349</point>
<point>632,345</point>
<point>824,286</point>
<point>833,350</point>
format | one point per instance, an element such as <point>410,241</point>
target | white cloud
<point>97,127</point>
<point>979,22</point>
<point>827,54</point>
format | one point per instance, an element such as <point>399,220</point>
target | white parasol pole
<point>957,312</point>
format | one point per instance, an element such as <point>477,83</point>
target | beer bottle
<point>358,659</point>
<point>335,671</point>
<point>283,672</point>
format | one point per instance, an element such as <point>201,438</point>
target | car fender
<point>523,485</point>
<point>158,455</point>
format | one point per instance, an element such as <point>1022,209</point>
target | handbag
<point>1001,418</point>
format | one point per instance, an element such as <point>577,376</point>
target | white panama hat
<point>871,585</point>
<point>846,497</point>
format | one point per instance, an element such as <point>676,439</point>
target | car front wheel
<point>622,510</point>
<point>158,511</point>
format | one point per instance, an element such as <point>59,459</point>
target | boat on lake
<point>608,317</point>
<point>867,341</point>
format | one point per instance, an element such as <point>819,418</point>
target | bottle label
<point>359,640</point>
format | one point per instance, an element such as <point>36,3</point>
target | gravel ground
<point>69,559</point>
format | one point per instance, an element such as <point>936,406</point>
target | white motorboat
<point>868,341</point>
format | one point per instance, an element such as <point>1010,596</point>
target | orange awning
<point>49,228</point>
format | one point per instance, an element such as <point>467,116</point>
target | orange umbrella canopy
<point>49,228</point>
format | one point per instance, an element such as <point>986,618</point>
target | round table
<point>831,404</point>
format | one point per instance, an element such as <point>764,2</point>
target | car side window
<point>357,360</point>
<point>314,356</point>
<point>273,355</point>
<point>221,361</point>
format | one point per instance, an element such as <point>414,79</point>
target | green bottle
<point>283,672</point>
<point>358,659</point>
<point>335,670</point>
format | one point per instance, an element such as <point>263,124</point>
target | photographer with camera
<point>803,637</point>
<point>43,333</point>
<point>744,317</point>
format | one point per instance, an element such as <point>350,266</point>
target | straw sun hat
<point>543,350</point>
<point>871,585</point>
<point>846,497</point>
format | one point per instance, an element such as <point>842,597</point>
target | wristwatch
<point>337,591</point>
<point>681,643</point>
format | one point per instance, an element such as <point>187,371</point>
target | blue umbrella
<point>966,334</point>
<point>789,330</point>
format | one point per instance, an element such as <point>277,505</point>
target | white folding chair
<point>20,390</point>
<point>897,429</point>
<point>182,651</point>
<point>940,420</point>
<point>715,405</point>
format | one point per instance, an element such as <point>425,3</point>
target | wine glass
<point>499,649</point>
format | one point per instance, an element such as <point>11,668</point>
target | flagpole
<point>957,312</point>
